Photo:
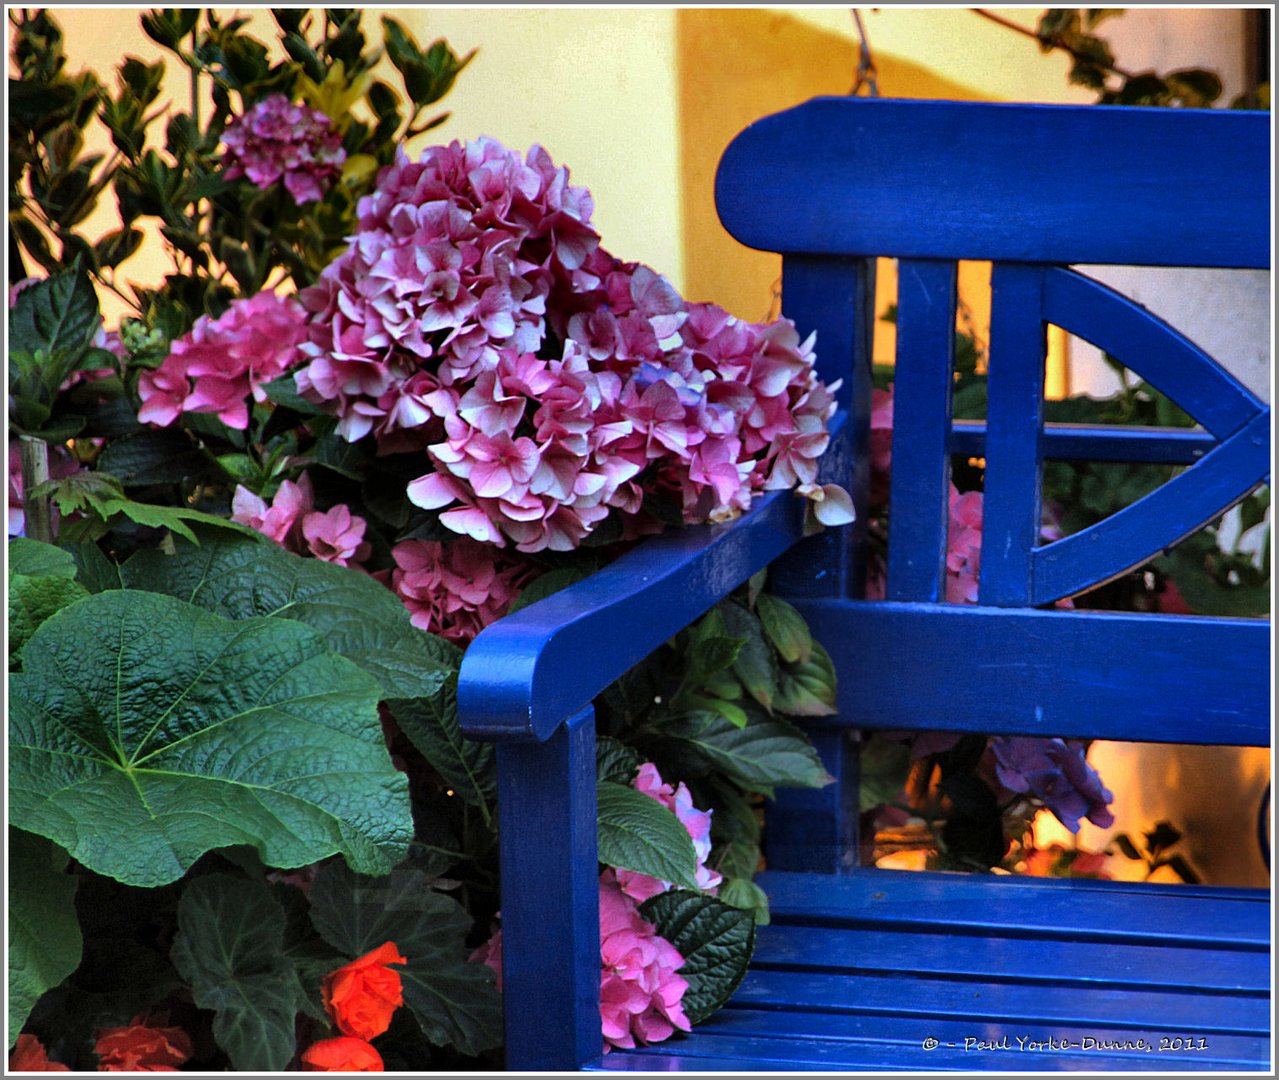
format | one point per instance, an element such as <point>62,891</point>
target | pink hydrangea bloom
<point>281,521</point>
<point>640,992</point>
<point>963,547</point>
<point>698,823</point>
<point>277,139</point>
<point>336,536</point>
<point>475,317</point>
<point>457,589</point>
<point>221,362</point>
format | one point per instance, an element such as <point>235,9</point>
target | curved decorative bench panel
<point>863,969</point>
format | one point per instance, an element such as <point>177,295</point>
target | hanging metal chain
<point>866,74</point>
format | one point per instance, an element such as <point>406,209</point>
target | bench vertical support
<point>550,926</point>
<point>1014,425</point>
<point>923,387</point>
<point>817,830</point>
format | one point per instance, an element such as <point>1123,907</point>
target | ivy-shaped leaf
<point>360,619</point>
<point>144,732</point>
<point>44,936</point>
<point>715,940</point>
<point>639,833</point>
<point>229,948</point>
<point>455,1002</point>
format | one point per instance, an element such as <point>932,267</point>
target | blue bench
<point>874,969</point>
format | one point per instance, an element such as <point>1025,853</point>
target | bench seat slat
<point>812,948</point>
<point>707,1052</point>
<point>1011,1002</point>
<point>1045,907</point>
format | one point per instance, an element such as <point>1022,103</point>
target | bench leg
<point>550,928</point>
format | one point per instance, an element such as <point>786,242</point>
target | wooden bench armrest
<point>530,672</point>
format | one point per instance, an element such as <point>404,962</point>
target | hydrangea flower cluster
<point>1056,772</point>
<point>291,520</point>
<point>221,362</point>
<point>457,589</point>
<point>475,316</point>
<point>277,139</point>
<point>698,823</point>
<point>640,992</point>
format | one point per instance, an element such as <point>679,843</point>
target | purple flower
<point>275,139</point>
<point>1056,772</point>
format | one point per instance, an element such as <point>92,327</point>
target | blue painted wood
<point>816,829</point>
<point>845,978</point>
<point>1014,417</point>
<point>1085,442</point>
<point>550,898</point>
<point>1011,182</point>
<point>524,675</point>
<point>922,392</point>
<point>1082,674</point>
<point>1167,515</point>
<point>1147,345</point>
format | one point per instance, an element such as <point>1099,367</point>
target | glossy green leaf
<point>785,628</point>
<point>716,941</point>
<point>615,761</point>
<point>58,314</point>
<point>766,753</point>
<point>467,765</point>
<point>165,456</point>
<point>145,731</point>
<point>455,1002</point>
<point>229,948</point>
<point>44,936</point>
<point>359,618</point>
<point>639,833</point>
<point>807,687</point>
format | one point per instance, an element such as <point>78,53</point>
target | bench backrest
<point>834,183</point>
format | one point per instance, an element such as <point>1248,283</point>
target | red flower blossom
<point>343,1054</point>
<point>137,1047</point>
<point>29,1056</point>
<point>362,995</point>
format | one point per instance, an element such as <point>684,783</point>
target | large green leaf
<point>145,731</point>
<point>455,1002</point>
<point>469,766</point>
<point>58,314</point>
<point>360,619</point>
<point>32,600</point>
<point>766,753</point>
<point>44,936</point>
<point>230,948</point>
<point>37,559</point>
<point>639,833</point>
<point>715,940</point>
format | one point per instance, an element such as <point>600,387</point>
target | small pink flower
<point>963,547</point>
<point>336,536</point>
<point>276,139</point>
<point>282,520</point>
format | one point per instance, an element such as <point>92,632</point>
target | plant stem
<point>1054,42</point>
<point>35,471</point>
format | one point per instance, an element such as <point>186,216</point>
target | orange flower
<point>362,995</point>
<point>135,1047</point>
<point>343,1054</point>
<point>29,1056</point>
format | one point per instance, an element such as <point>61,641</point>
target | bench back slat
<point>1024,183</point>
<point>1024,671</point>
